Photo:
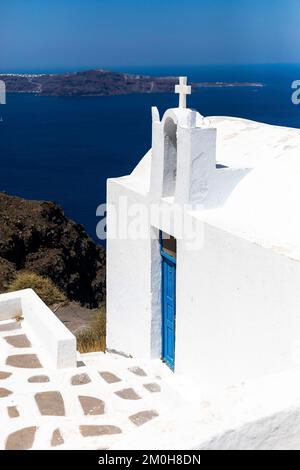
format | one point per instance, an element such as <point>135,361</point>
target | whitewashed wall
<point>238,310</point>
<point>237,305</point>
<point>132,312</point>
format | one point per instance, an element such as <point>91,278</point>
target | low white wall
<point>56,342</point>
<point>238,311</point>
<point>10,307</point>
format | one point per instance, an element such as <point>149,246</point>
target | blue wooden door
<point>168,309</point>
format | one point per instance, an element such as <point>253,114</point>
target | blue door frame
<point>168,308</point>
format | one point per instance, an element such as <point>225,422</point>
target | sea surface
<point>64,148</point>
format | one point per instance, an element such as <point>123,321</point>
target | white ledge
<point>56,343</point>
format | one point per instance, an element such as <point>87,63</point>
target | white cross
<point>183,89</point>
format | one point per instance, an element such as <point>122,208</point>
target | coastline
<point>103,83</point>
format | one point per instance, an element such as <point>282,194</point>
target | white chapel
<point>210,284</point>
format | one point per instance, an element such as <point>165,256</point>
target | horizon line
<point>57,69</point>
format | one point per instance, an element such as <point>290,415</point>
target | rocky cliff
<point>37,236</point>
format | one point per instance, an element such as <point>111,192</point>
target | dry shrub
<point>42,286</point>
<point>93,337</point>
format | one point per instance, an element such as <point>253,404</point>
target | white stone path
<point>91,407</point>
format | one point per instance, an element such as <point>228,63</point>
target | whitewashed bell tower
<point>183,153</point>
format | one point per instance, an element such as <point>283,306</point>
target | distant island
<point>99,83</point>
<point>228,84</point>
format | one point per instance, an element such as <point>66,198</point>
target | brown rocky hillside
<point>37,236</point>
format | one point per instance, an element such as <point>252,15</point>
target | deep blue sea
<point>64,148</point>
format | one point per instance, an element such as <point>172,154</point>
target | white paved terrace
<point>89,407</point>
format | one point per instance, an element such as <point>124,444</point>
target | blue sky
<point>86,33</point>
